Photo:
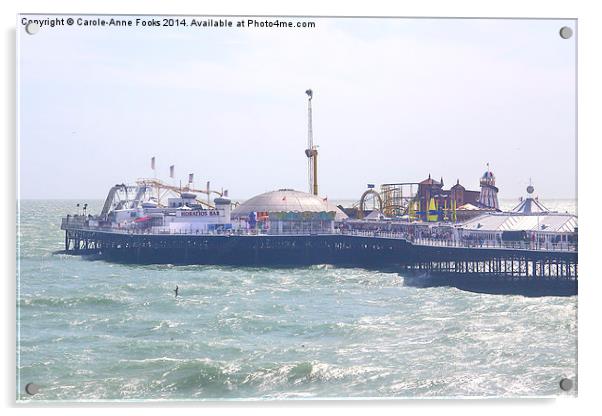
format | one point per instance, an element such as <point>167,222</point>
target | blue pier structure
<point>490,268</point>
<point>529,251</point>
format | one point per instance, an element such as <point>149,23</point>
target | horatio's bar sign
<point>200,213</point>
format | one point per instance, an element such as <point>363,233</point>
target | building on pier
<point>457,203</point>
<point>287,211</point>
<point>530,221</point>
<point>530,204</point>
<point>284,211</point>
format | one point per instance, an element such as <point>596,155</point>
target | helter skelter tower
<point>312,151</point>
<point>488,195</point>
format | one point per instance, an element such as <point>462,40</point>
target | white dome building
<point>287,200</point>
<point>287,211</point>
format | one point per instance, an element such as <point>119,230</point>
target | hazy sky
<point>394,100</point>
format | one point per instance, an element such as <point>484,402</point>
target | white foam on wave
<point>166,324</point>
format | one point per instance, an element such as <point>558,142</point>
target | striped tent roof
<point>550,222</point>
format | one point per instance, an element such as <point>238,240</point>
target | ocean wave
<point>203,377</point>
<point>87,300</point>
<point>321,267</point>
<point>308,373</point>
<point>192,377</point>
<point>166,324</point>
<point>154,360</point>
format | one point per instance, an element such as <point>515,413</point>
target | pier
<point>490,267</point>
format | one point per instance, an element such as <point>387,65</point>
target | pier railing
<point>466,243</point>
<point>516,245</point>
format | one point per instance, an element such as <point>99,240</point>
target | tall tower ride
<point>312,151</point>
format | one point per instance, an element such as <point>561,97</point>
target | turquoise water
<point>91,330</point>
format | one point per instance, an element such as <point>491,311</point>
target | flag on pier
<point>153,163</point>
<point>190,177</point>
<point>171,171</point>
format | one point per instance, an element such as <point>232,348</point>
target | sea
<point>89,330</point>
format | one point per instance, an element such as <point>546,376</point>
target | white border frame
<point>589,96</point>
